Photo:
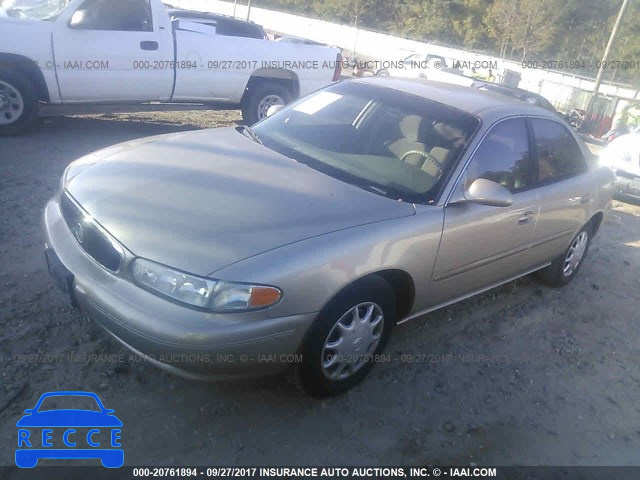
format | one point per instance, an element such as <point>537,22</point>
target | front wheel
<point>18,102</point>
<point>260,98</point>
<point>345,339</point>
<point>565,267</point>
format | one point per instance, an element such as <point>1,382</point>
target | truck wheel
<point>341,347</point>
<point>260,97</point>
<point>566,266</point>
<point>18,102</point>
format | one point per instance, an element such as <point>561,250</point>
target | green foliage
<point>565,30</point>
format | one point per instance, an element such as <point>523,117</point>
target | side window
<point>559,155</point>
<point>114,15</point>
<point>503,157</point>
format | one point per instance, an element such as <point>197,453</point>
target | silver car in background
<point>305,240</point>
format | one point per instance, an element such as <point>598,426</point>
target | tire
<point>264,93</point>
<point>18,102</point>
<point>382,73</point>
<point>555,275</point>
<point>372,293</point>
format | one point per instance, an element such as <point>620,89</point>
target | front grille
<point>91,238</point>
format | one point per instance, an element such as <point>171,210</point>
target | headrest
<point>450,132</point>
<point>410,127</point>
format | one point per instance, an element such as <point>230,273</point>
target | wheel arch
<point>404,289</point>
<point>400,282</point>
<point>287,78</point>
<point>27,67</point>
<point>596,221</point>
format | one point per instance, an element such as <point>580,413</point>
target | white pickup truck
<point>130,52</point>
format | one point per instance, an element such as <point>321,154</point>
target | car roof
<point>518,93</point>
<point>481,103</point>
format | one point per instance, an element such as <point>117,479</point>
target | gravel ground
<point>520,375</point>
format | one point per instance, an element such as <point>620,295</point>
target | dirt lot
<point>521,375</point>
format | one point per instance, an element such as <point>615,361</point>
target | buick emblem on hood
<point>78,232</point>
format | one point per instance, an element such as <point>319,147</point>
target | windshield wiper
<point>251,134</point>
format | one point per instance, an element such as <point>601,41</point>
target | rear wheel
<point>342,345</point>
<point>565,267</point>
<point>18,102</point>
<point>262,96</point>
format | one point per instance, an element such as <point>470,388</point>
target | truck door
<point>114,50</point>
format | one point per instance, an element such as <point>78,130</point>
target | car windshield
<point>69,402</point>
<point>33,9</point>
<point>386,141</point>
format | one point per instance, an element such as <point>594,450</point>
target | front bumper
<point>181,340</point>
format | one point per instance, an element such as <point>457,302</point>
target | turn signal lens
<point>264,296</point>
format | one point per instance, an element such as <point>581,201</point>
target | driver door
<point>108,51</point>
<point>483,245</point>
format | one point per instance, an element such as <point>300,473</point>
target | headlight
<point>203,292</point>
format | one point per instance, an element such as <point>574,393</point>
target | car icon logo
<point>48,432</point>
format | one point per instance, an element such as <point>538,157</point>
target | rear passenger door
<point>483,245</point>
<point>565,189</point>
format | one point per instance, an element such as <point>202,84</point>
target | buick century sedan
<point>302,242</point>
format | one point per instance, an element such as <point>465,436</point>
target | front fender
<point>313,271</point>
<point>26,44</point>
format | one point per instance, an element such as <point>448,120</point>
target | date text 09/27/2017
<point>581,64</point>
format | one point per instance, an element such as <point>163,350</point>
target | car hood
<point>200,201</point>
<point>69,418</point>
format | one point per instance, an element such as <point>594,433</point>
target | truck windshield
<point>383,140</point>
<point>33,9</point>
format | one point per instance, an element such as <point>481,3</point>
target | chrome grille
<point>91,238</point>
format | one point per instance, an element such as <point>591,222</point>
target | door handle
<point>525,218</point>
<point>147,45</point>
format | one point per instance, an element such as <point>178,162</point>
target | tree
<point>502,21</point>
<point>470,26</point>
<point>537,26</point>
<point>433,20</point>
<point>566,30</point>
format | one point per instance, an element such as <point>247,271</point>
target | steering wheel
<point>427,156</point>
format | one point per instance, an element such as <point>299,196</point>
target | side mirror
<point>486,192</point>
<point>273,109</point>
